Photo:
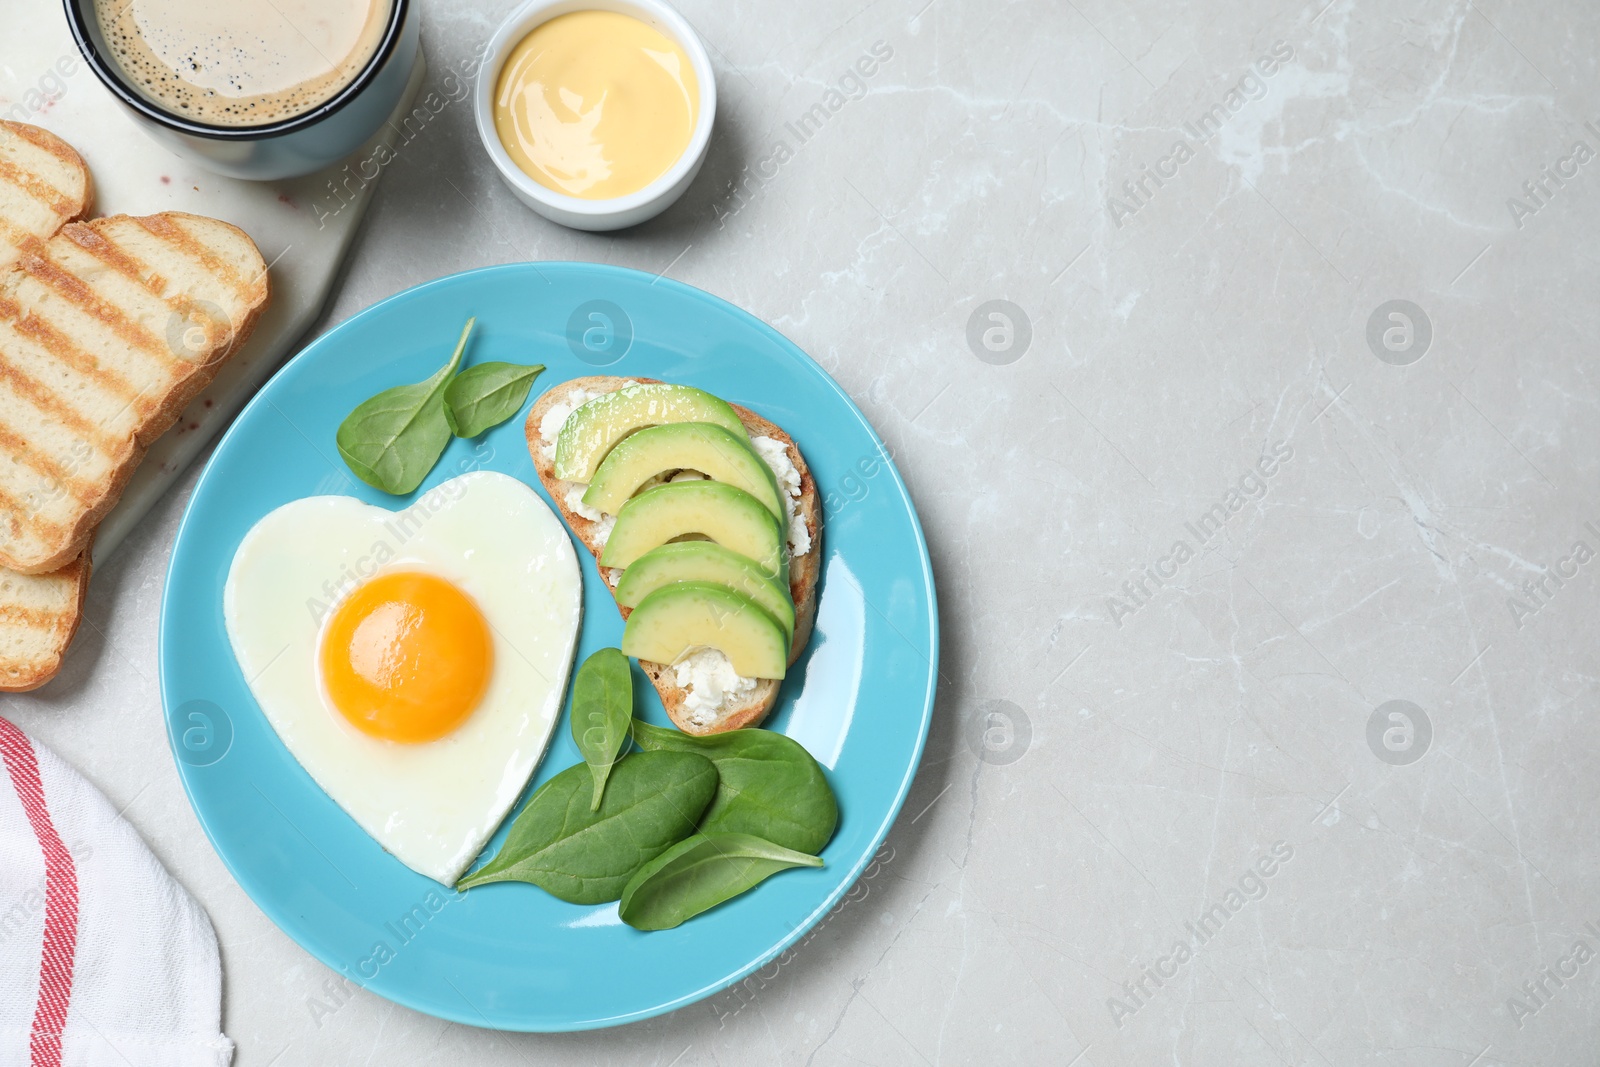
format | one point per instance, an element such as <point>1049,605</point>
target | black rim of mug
<point>81,12</point>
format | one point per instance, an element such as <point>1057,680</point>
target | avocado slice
<point>723,513</point>
<point>705,561</point>
<point>678,618</point>
<point>713,450</point>
<point>593,429</point>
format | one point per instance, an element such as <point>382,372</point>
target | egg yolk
<point>406,657</point>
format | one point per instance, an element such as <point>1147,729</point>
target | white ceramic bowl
<point>616,212</point>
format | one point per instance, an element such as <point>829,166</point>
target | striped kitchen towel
<point>105,961</point>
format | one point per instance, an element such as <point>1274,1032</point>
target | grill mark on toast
<point>122,261</point>
<point>24,241</point>
<point>135,270</point>
<point>39,615</point>
<point>37,188</point>
<point>49,402</point>
<point>128,265</point>
<point>20,514</point>
<point>54,475</point>
<point>61,347</point>
<point>220,335</point>
<point>36,618</point>
<point>46,142</point>
<point>169,231</point>
<point>77,292</point>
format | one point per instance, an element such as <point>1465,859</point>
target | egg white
<point>435,804</point>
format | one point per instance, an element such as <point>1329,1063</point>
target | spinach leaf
<point>482,397</point>
<point>699,873</point>
<point>602,709</point>
<point>393,440</point>
<point>769,785</point>
<point>587,857</point>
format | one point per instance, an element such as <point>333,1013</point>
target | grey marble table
<point>1263,511</point>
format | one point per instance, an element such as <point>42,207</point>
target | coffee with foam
<point>242,62</point>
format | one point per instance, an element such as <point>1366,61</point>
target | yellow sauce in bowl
<point>596,104</point>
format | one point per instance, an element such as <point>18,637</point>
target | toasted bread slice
<point>39,613</point>
<point>106,331</point>
<point>804,567</point>
<point>44,184</point>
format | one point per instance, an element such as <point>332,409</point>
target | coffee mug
<point>289,148</point>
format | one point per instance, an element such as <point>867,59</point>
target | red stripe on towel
<point>60,901</point>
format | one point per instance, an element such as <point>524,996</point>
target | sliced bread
<point>749,707</point>
<point>106,331</point>
<point>39,613</point>
<point>44,184</point>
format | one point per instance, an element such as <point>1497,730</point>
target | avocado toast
<point>726,700</point>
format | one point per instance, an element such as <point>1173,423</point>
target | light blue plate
<point>510,956</point>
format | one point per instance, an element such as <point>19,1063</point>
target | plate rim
<point>279,916</point>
